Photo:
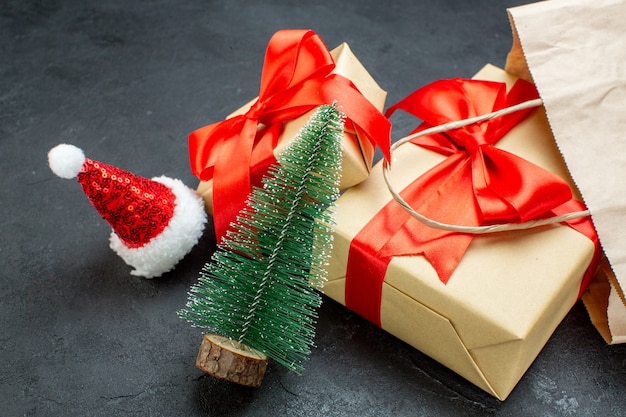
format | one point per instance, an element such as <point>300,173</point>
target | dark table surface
<point>127,81</point>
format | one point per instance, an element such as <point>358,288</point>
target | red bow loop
<point>291,58</point>
<point>447,100</point>
<point>511,189</point>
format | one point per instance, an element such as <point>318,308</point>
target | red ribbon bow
<point>477,184</point>
<point>296,78</point>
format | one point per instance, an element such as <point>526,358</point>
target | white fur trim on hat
<point>181,234</point>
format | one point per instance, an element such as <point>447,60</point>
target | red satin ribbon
<point>296,78</point>
<point>477,184</point>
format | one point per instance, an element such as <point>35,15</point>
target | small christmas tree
<point>258,293</point>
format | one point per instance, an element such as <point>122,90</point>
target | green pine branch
<point>260,287</point>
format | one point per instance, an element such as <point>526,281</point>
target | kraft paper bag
<point>606,306</point>
<point>575,53</point>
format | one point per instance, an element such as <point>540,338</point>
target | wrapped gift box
<point>358,150</point>
<point>508,293</point>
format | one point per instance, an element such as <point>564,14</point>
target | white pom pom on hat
<point>155,222</point>
<point>66,160</point>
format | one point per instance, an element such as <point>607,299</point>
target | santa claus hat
<point>155,222</point>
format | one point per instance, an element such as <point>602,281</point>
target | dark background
<point>127,81</point>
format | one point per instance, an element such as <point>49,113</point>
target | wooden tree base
<point>228,359</point>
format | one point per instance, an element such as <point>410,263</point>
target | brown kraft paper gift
<point>507,295</point>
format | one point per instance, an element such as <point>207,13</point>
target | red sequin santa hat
<point>155,222</point>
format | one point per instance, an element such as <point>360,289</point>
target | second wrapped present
<point>299,74</point>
